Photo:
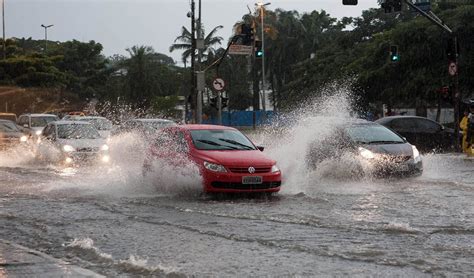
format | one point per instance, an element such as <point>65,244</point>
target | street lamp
<point>3,25</point>
<point>261,5</point>
<point>46,35</point>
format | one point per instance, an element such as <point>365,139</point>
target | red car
<point>228,161</point>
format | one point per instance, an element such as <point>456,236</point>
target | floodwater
<point>109,219</point>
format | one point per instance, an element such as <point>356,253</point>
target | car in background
<point>376,149</point>
<point>73,142</point>
<point>227,160</point>
<point>427,135</point>
<point>103,125</point>
<point>144,127</point>
<point>8,116</point>
<point>33,124</point>
<point>10,135</point>
<point>70,115</point>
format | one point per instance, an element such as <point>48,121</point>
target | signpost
<point>453,69</point>
<point>218,84</point>
<point>237,49</point>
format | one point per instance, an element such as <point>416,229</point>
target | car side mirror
<point>260,148</point>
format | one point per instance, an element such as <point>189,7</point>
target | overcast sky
<point>118,24</point>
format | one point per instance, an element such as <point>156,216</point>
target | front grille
<point>246,169</point>
<point>235,185</point>
<point>88,149</point>
<point>396,158</point>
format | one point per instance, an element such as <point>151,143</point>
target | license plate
<point>252,180</point>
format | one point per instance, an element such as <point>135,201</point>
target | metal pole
<point>457,96</point>
<point>3,24</point>
<point>263,62</point>
<point>193,54</point>
<point>199,92</point>
<point>45,39</point>
<point>219,108</point>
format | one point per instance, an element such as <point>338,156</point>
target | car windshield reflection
<point>373,134</point>
<point>77,131</point>
<point>220,140</point>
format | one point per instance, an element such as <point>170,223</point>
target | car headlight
<point>38,132</point>
<point>416,154</point>
<point>275,169</point>
<point>365,153</point>
<point>23,138</point>
<point>104,148</point>
<point>68,148</point>
<point>214,167</point>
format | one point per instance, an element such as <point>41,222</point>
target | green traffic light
<point>259,53</point>
<point>395,58</point>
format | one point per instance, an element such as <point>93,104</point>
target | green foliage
<point>165,105</point>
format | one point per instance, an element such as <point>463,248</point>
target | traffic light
<point>224,102</point>
<point>213,102</point>
<point>451,48</point>
<point>258,49</point>
<point>349,2</point>
<point>391,5</point>
<point>394,55</point>
<point>246,35</point>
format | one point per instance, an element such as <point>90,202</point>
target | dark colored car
<point>10,134</point>
<point>375,148</point>
<point>427,135</point>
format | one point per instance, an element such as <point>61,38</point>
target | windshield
<point>100,124</point>
<point>220,140</point>
<point>77,131</point>
<point>42,121</point>
<point>371,134</point>
<point>10,117</point>
<point>8,127</point>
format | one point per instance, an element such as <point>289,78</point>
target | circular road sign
<point>452,69</point>
<point>218,84</point>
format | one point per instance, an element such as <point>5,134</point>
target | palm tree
<point>138,74</point>
<point>185,42</point>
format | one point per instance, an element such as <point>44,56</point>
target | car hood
<point>104,133</point>
<point>242,158</point>
<point>404,149</point>
<point>10,134</point>
<point>82,143</point>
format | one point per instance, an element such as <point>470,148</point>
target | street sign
<point>237,49</point>
<point>453,69</point>
<point>218,84</point>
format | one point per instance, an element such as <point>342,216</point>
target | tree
<point>185,43</point>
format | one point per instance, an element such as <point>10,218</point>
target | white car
<point>103,125</point>
<point>33,124</point>
<point>72,142</point>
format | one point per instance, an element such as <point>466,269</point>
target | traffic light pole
<point>457,94</point>
<point>219,108</point>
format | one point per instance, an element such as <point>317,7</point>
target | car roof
<point>71,123</point>
<point>4,113</point>
<point>390,118</point>
<point>204,127</point>
<point>88,117</point>
<point>153,120</point>
<point>40,115</point>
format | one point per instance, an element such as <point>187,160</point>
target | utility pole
<point>46,36</point>
<point>193,57</point>
<point>200,83</point>
<point>3,25</point>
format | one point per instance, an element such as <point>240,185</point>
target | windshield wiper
<point>233,142</point>
<point>209,142</point>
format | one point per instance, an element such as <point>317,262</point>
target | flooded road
<point>110,220</point>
